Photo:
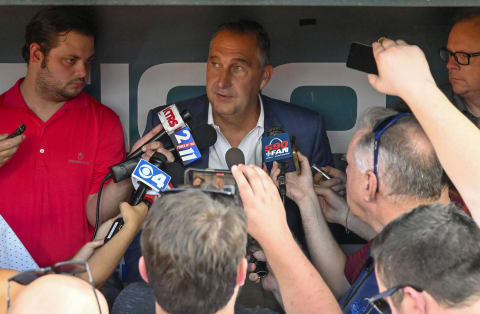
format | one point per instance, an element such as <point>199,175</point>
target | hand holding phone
<point>361,58</point>
<point>330,178</point>
<point>316,169</point>
<point>21,128</point>
<point>9,145</point>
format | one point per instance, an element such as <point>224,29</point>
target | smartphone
<point>296,163</point>
<point>316,170</point>
<point>21,128</point>
<point>221,180</point>
<point>361,58</point>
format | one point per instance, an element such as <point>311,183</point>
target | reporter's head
<point>406,169</point>
<point>58,294</point>
<point>433,252</point>
<point>194,249</point>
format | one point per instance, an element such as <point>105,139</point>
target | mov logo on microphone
<point>152,176</point>
<point>276,147</point>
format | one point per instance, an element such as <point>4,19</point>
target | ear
<point>266,75</point>
<point>142,269</point>
<point>371,188</point>
<point>36,54</point>
<point>242,272</point>
<point>414,301</point>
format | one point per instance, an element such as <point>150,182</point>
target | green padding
<point>337,104</point>
<point>179,93</point>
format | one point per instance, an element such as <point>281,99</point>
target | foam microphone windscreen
<point>234,156</point>
<point>176,171</point>
<point>204,136</point>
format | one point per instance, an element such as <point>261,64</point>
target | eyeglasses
<point>379,129</point>
<point>68,267</point>
<point>462,58</point>
<point>378,302</point>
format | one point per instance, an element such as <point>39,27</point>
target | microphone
<point>282,183</point>
<point>176,172</point>
<point>204,135</point>
<point>187,117</point>
<point>160,161</point>
<point>234,156</point>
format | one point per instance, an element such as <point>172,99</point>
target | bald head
<point>466,32</point>
<point>60,294</point>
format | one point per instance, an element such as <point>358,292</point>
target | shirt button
<point>42,151</point>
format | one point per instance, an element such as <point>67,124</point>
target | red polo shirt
<point>44,186</point>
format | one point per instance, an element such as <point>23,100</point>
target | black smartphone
<point>22,127</point>
<point>361,58</point>
<point>260,267</point>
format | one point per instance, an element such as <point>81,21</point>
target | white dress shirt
<point>251,144</point>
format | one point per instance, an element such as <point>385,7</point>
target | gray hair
<point>192,245</point>
<point>433,247</point>
<point>407,163</point>
<point>244,26</point>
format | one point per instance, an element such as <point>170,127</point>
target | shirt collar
<point>260,122</point>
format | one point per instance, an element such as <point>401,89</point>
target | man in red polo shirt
<point>50,175</point>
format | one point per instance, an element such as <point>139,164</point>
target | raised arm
<point>303,289</point>
<point>404,72</point>
<point>326,254</point>
<point>106,258</point>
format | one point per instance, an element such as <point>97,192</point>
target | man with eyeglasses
<point>392,168</point>
<point>427,261</point>
<point>462,55</point>
<point>403,72</point>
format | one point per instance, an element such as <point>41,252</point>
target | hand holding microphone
<point>204,136</point>
<point>298,186</point>
<point>151,141</point>
<point>183,145</point>
<point>158,160</point>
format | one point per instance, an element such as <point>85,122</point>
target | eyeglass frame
<point>454,54</point>
<point>378,130</point>
<point>388,293</point>
<point>39,272</point>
